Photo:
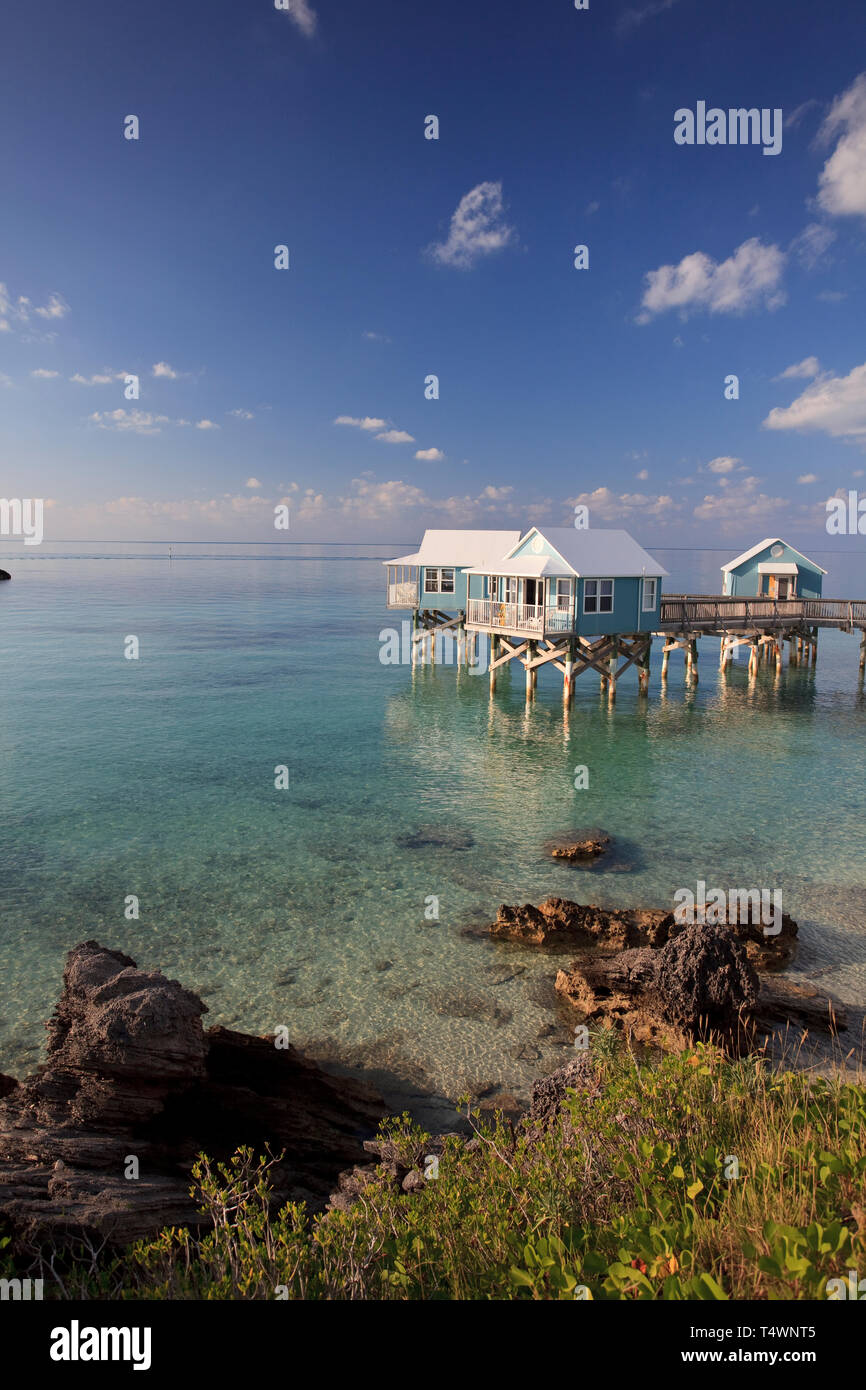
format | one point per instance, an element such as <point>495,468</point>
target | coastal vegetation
<point>689,1176</point>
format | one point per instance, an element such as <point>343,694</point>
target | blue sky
<point>411,256</point>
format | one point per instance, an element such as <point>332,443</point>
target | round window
<point>777,552</point>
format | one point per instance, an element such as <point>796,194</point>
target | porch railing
<point>533,619</point>
<point>403,595</point>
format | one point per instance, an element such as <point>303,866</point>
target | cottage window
<point>650,595</point>
<point>511,589</point>
<point>598,596</point>
<point>447,581</point>
<point>431,581</point>
<point>563,593</point>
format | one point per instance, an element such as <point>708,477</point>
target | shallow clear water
<point>301,907</point>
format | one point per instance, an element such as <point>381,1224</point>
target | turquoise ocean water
<point>306,907</point>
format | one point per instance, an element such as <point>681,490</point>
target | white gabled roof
<point>762,545</point>
<point>593,554</point>
<point>460,548</point>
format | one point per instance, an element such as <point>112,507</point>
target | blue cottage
<point>561,581</point>
<point>772,569</point>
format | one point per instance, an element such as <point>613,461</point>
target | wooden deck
<point>712,613</point>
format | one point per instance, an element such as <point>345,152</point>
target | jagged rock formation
<point>704,980</point>
<point>132,1073</point>
<point>700,983</point>
<point>558,921</point>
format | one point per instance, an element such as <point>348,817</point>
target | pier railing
<point>715,613</point>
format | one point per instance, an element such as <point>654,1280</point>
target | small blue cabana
<point>772,569</point>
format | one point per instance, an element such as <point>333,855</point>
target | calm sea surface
<point>306,907</point>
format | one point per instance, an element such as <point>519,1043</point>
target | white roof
<point>460,548</point>
<point>600,553</point>
<point>530,566</point>
<point>762,545</point>
<point>777,567</point>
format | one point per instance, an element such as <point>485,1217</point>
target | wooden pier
<point>535,638</point>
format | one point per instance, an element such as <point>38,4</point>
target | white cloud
<point>163,369</point>
<point>836,405</point>
<point>642,475</point>
<point>747,279</point>
<point>99,378</point>
<point>367,422</point>
<point>303,15</point>
<point>809,367</point>
<point>140,421</point>
<point>56,308</point>
<point>793,119</point>
<point>832,296</point>
<point>134,421</point>
<point>808,478</point>
<point>396,437</point>
<point>241,414</point>
<point>809,247</point>
<point>478,228</point>
<point>430,455</point>
<point>724,464</point>
<point>252,482</point>
<point>630,20</point>
<point>744,503</point>
<point>842,185</point>
<point>376,337</point>
<point>606,505</point>
<point>18,311</point>
<point>44,373</point>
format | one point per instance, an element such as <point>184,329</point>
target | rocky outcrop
<point>700,983</point>
<point>580,846</point>
<point>704,981</point>
<point>131,1074</point>
<point>549,1094</point>
<point>560,922</point>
